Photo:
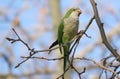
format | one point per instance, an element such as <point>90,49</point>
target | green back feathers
<point>61,40</point>
<point>69,12</point>
<point>61,25</point>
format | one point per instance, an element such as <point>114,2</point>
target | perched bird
<point>68,28</point>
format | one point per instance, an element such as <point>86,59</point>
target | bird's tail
<point>66,57</point>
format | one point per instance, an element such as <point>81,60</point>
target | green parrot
<point>68,28</point>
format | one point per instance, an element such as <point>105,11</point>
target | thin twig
<point>43,58</point>
<point>100,65</point>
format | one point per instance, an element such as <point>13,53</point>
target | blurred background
<point>36,22</point>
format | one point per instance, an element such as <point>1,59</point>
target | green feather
<point>61,27</point>
<point>62,40</point>
<point>60,30</point>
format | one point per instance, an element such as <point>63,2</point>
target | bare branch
<point>100,25</point>
<point>100,65</point>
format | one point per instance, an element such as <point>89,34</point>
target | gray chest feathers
<point>70,27</point>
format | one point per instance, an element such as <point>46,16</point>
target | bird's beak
<point>79,11</point>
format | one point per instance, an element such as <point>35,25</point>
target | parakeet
<point>68,28</point>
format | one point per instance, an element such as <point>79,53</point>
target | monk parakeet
<point>67,29</point>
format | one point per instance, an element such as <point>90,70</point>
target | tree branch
<point>102,32</point>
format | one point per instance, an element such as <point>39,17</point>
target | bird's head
<point>75,12</point>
